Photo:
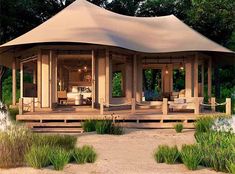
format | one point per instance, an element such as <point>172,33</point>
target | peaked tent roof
<point>83,22</point>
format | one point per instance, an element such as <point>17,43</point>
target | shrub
<point>204,124</point>
<point>191,156</point>
<point>108,127</point>
<point>37,157</point>
<point>64,141</point>
<point>231,167</point>
<point>12,113</point>
<point>166,154</point>
<point>85,154</point>
<point>89,125</point>
<point>59,158</point>
<point>14,143</point>
<point>179,127</point>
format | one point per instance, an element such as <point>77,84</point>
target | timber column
<point>14,82</point>
<point>134,76</point>
<point>108,82</point>
<point>209,77</point>
<point>39,82</point>
<point>195,76</point>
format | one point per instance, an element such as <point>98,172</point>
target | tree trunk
<point>2,72</point>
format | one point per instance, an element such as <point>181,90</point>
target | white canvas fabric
<point>83,22</point>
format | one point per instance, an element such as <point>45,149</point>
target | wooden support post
<point>32,105</point>
<point>14,82</point>
<point>196,106</point>
<point>228,106</point>
<point>39,82</point>
<point>165,106</point>
<point>209,78</point>
<point>50,79</point>
<point>107,79</point>
<point>213,104</point>
<point>21,106</point>
<point>101,106</point>
<point>134,76</point>
<point>195,76</point>
<point>203,81</point>
<point>133,105</point>
<point>93,79</point>
<point>21,79</point>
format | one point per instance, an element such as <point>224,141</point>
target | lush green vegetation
<point>166,154</point>
<point>103,127</point>
<point>214,149</point>
<point>19,146</point>
<point>179,127</point>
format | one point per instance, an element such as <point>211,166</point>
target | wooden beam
<point>50,78</point>
<point>107,78</point>
<point>203,80</point>
<point>14,82</point>
<point>93,78</point>
<point>228,106</point>
<point>39,84</point>
<point>195,76</point>
<point>209,77</point>
<point>134,76</point>
<point>21,79</point>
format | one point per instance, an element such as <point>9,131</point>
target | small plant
<point>204,124</point>
<point>89,125</point>
<point>59,158</point>
<point>85,154</point>
<point>191,156</point>
<point>108,127</point>
<point>37,156</point>
<point>64,141</point>
<point>166,154</point>
<point>179,127</point>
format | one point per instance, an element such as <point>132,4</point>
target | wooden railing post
<point>165,106</point>
<point>213,104</point>
<point>228,106</point>
<point>21,106</point>
<point>133,105</point>
<point>196,106</point>
<point>101,106</point>
<point>32,105</point>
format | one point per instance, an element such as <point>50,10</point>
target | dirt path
<point>131,153</point>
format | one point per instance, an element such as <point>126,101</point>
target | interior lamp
<point>181,66</point>
<point>79,70</point>
<point>166,71</point>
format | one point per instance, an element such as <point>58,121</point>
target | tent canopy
<point>83,22</point>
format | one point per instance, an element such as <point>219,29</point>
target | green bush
<point>85,154</point>
<point>66,142</point>
<point>37,156</point>
<point>166,154</point>
<point>14,143</point>
<point>89,125</point>
<point>231,167</point>
<point>179,127</point>
<point>12,113</point>
<point>191,156</point>
<point>59,158</point>
<point>204,124</point>
<point>108,127</point>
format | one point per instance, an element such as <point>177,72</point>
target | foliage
<point>64,141</point>
<point>166,154</point>
<point>14,143</point>
<point>117,84</point>
<point>59,158</point>
<point>89,125</point>
<point>204,124</point>
<point>179,127</point>
<point>12,113</point>
<point>37,156</point>
<point>108,127</point>
<point>231,167</point>
<point>191,156</point>
<point>84,154</point>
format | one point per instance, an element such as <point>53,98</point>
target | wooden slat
<point>62,130</point>
<point>53,124</point>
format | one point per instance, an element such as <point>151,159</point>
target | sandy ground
<point>131,153</point>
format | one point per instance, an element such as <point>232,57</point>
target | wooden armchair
<point>62,97</point>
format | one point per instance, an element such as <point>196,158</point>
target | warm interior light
<point>166,71</point>
<point>79,70</point>
<point>181,66</point>
<point>85,68</point>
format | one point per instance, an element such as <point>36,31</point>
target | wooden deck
<point>70,121</point>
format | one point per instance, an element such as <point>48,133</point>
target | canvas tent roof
<point>83,22</point>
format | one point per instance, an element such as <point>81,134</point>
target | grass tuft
<point>85,154</point>
<point>59,158</point>
<point>179,127</point>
